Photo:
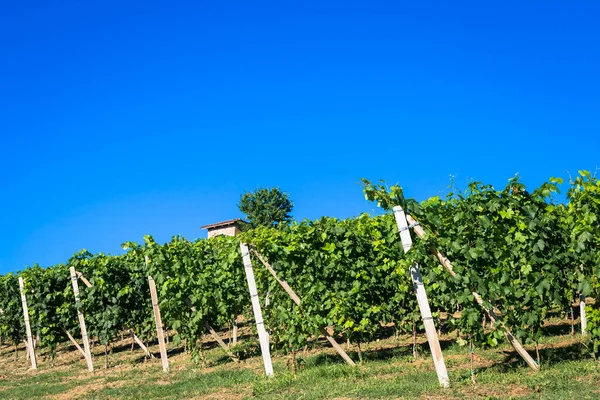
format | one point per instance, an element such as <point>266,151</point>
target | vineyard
<point>496,266</point>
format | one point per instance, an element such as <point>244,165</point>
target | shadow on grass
<point>548,356</point>
<point>562,327</point>
<point>401,351</point>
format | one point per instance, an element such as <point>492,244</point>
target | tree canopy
<point>266,207</point>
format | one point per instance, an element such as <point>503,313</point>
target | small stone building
<point>228,228</point>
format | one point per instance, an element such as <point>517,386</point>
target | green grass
<point>389,371</point>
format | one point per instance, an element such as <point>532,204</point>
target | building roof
<point>235,221</point>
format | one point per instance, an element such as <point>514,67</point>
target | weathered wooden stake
<point>415,273</point>
<point>235,332</point>
<point>84,336</point>
<point>490,313</point>
<point>141,344</point>
<point>27,326</point>
<point>220,342</point>
<point>414,340</point>
<point>472,362</point>
<point>72,339</point>
<point>85,281</point>
<point>582,316</point>
<point>260,325</point>
<point>297,300</point>
<point>159,325</point>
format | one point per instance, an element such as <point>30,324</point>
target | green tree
<point>266,207</point>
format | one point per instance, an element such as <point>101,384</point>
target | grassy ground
<point>389,371</point>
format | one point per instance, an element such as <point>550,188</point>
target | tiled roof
<point>224,223</point>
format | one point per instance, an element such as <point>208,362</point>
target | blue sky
<point>119,119</point>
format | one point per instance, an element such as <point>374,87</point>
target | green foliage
<point>583,223</point>
<point>521,251</point>
<point>388,198</point>
<point>198,282</point>
<point>510,246</point>
<point>12,325</point>
<point>266,207</point>
<point>349,275</point>
<point>50,302</point>
<point>119,296</point>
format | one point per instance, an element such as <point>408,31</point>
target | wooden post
<point>85,281</point>
<point>415,273</point>
<point>159,325</point>
<point>141,344</point>
<point>260,325</point>
<point>72,339</point>
<point>235,331</point>
<point>297,300</point>
<point>490,312</point>
<point>84,336</point>
<point>430,331</point>
<point>472,351</point>
<point>220,342</point>
<point>582,316</point>
<point>27,326</point>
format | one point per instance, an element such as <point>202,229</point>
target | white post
<point>415,273</point>
<point>235,331</point>
<point>260,326</point>
<point>582,318</point>
<point>582,315</point>
<point>84,336</point>
<point>27,326</point>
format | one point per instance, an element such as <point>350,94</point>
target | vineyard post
<point>260,325</point>
<point>235,331</point>
<point>297,300</point>
<point>140,343</point>
<point>415,273</point>
<point>490,312</point>
<point>84,336</point>
<point>216,336</point>
<point>159,325</point>
<point>83,279</point>
<point>27,326</point>
<point>582,316</point>
<point>72,339</point>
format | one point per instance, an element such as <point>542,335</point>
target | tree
<point>266,207</point>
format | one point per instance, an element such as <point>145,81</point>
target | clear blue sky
<point>119,119</point>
